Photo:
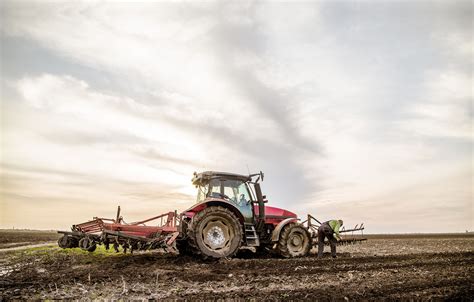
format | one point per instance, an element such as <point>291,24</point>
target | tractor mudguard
<point>208,202</point>
<point>280,226</point>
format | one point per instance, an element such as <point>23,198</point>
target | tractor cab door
<point>235,191</point>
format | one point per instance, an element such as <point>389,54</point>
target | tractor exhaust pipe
<point>261,206</point>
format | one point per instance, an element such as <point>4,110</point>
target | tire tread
<point>191,231</point>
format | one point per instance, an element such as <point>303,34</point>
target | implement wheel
<point>87,244</point>
<point>295,241</point>
<point>66,242</point>
<point>215,232</point>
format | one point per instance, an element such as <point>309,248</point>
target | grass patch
<point>53,254</point>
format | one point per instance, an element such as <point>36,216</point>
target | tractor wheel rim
<point>216,235</point>
<point>296,243</point>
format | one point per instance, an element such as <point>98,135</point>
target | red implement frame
<point>161,231</point>
<point>348,236</point>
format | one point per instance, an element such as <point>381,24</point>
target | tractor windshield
<point>235,191</point>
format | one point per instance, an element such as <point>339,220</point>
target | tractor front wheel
<point>215,232</point>
<point>294,241</point>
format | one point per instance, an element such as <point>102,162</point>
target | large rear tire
<point>295,241</point>
<point>215,232</point>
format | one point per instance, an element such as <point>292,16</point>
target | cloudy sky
<point>361,110</point>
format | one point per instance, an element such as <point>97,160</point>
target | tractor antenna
<point>248,170</point>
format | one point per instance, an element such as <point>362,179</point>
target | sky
<point>359,110</point>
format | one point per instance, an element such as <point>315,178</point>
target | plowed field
<point>393,267</point>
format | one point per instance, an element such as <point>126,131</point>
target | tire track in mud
<point>371,277</point>
<point>313,265</point>
<point>436,275</point>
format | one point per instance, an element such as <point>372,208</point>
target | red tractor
<point>230,213</point>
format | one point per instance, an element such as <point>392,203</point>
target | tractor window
<point>214,188</point>
<point>243,193</point>
<point>235,190</point>
<point>202,191</point>
<point>230,192</point>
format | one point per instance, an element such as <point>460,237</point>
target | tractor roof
<point>205,177</point>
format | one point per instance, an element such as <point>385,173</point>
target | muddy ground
<point>391,267</point>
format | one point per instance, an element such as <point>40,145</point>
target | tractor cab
<point>229,187</point>
<point>242,192</point>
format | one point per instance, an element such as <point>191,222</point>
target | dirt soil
<point>391,267</point>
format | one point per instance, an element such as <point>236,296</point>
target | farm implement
<point>230,213</point>
<point>130,236</point>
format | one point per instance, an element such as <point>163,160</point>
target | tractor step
<point>251,236</point>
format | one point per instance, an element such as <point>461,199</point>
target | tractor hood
<point>274,213</point>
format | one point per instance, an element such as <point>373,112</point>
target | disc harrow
<point>161,232</point>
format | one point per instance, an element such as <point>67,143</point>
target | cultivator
<point>348,236</point>
<point>230,213</point>
<point>130,236</point>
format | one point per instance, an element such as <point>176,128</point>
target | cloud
<point>446,107</point>
<point>153,154</point>
<point>429,205</point>
<point>65,197</point>
<point>336,102</point>
<point>148,130</point>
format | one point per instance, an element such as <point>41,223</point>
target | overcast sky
<point>360,110</point>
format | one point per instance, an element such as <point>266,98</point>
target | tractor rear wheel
<point>294,241</point>
<point>215,232</point>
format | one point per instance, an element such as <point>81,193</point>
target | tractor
<point>229,214</point>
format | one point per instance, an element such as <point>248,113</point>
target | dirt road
<point>428,268</point>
